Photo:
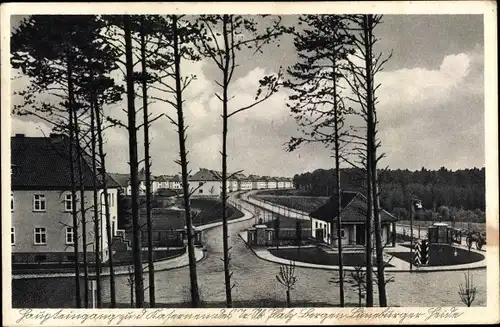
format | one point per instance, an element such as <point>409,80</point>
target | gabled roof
<point>43,163</point>
<point>168,178</point>
<point>353,209</point>
<point>206,175</point>
<point>121,179</point>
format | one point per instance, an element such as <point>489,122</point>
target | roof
<point>121,179</point>
<point>168,178</point>
<point>206,175</point>
<point>43,163</point>
<point>353,206</point>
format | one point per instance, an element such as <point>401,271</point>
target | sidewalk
<point>168,264</point>
<point>276,208</point>
<point>399,265</point>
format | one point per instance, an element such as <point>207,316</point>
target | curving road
<point>255,279</point>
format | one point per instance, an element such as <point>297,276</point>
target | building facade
<point>42,204</point>
<point>353,221</point>
<point>206,183</point>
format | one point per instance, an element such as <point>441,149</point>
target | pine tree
<point>237,33</point>
<point>316,104</point>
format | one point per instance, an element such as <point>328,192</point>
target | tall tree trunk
<point>83,216</point>
<point>339,194</point>
<point>225,245</point>
<point>97,220</point>
<point>376,199</point>
<point>147,165</point>
<point>369,195</point>
<point>195,296</point>
<point>132,137</point>
<point>73,179</point>
<point>379,247</point>
<point>104,180</point>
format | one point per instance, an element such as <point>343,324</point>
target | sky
<point>430,110</point>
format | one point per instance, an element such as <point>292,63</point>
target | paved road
<point>273,207</point>
<point>255,279</point>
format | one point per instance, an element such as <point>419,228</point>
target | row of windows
<point>40,236</point>
<point>40,203</point>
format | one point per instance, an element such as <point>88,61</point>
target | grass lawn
<point>320,257</point>
<point>205,211</point>
<point>125,258</point>
<point>121,259</point>
<point>210,211</point>
<point>444,255</point>
<point>302,203</point>
<point>479,227</point>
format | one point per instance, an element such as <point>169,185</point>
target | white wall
<point>55,219</point>
<point>272,184</point>
<point>245,185</point>
<point>208,188</point>
<point>321,225</point>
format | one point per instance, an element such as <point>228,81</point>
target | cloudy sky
<point>431,108</point>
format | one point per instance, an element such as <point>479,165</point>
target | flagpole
<point>411,235</point>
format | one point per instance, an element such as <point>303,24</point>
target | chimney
<point>19,135</point>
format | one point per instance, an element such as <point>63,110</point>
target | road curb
<point>248,215</point>
<point>271,258</point>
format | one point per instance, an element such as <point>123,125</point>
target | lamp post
<point>417,204</point>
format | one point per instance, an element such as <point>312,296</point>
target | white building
<point>272,183</point>
<point>42,203</point>
<point>206,183</point>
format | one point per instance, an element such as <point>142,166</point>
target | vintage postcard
<point>223,163</point>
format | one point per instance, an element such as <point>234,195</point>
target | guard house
<point>260,235</point>
<point>353,219</point>
<point>443,233</point>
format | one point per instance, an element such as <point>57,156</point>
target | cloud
<point>429,117</point>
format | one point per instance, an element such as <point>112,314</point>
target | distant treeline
<point>458,195</point>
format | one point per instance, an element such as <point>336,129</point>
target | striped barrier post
<point>417,258</point>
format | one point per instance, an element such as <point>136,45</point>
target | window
<point>200,183</point>
<point>12,236</point>
<point>69,235</point>
<point>39,202</point>
<point>40,235</point>
<point>342,233</point>
<point>68,202</point>
<point>11,201</point>
<point>200,191</point>
<point>316,224</point>
<point>113,232</point>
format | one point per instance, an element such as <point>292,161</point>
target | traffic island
<point>310,257</point>
<point>443,255</point>
<point>319,256</point>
